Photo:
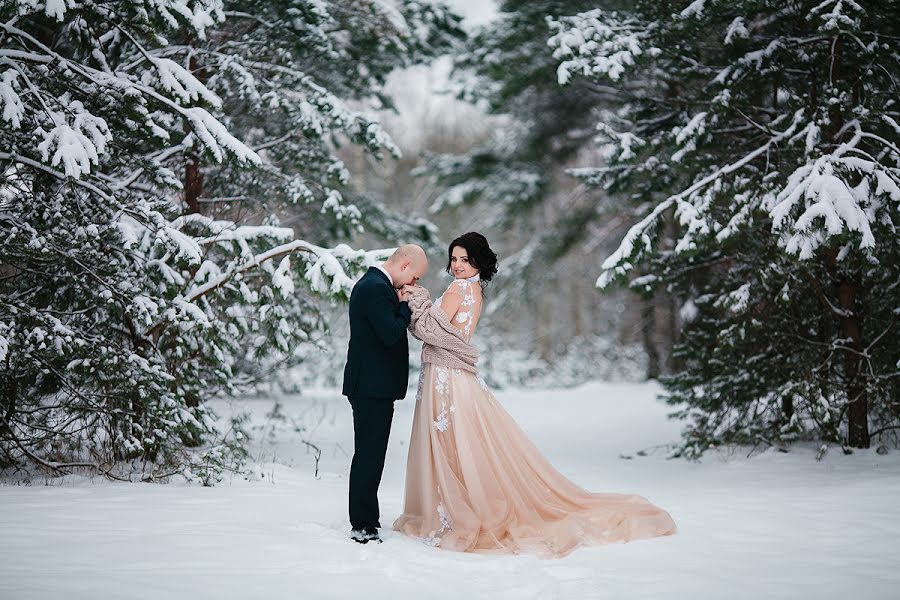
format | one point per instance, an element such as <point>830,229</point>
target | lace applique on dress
<point>465,314</point>
<point>434,538</point>
<point>441,381</point>
<point>468,300</point>
<point>444,516</point>
<point>442,389</point>
<point>466,289</point>
<point>442,375</point>
<point>443,420</point>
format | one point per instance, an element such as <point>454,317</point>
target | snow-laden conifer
<point>146,150</point>
<point>759,142</point>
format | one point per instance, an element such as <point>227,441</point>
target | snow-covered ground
<point>775,525</point>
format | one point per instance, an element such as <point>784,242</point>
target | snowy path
<point>774,526</point>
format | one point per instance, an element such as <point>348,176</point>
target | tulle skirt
<point>475,483</point>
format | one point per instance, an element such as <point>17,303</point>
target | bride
<point>474,482</point>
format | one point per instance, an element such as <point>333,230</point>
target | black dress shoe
<point>365,535</point>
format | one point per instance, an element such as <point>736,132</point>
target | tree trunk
<point>193,176</point>
<point>787,408</point>
<point>848,290</point>
<point>648,337</point>
<point>673,332</point>
<point>851,327</point>
<point>667,305</point>
<point>544,329</point>
<point>578,321</point>
<point>193,182</point>
<point>10,393</point>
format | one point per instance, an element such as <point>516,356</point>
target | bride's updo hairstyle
<point>480,255</point>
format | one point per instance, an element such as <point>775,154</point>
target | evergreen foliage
<point>758,139</point>
<point>146,148</point>
<point>506,68</point>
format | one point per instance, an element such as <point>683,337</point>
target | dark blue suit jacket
<point>378,356</point>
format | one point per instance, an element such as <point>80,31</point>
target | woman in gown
<point>474,482</point>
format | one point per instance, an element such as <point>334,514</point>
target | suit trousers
<point>371,429</point>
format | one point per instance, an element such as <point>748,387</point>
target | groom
<point>377,373</point>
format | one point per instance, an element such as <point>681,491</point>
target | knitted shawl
<point>444,344</point>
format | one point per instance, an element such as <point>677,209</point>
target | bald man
<point>376,374</point>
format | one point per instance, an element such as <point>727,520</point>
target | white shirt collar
<point>383,270</point>
<point>474,278</point>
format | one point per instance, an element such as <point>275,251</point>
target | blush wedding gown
<point>475,483</point>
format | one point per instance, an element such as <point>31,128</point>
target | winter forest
<point>695,205</point>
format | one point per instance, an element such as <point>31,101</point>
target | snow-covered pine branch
<point>76,144</point>
<point>767,177</point>
<point>598,43</point>
<point>133,285</point>
<point>687,203</point>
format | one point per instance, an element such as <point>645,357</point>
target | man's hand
<point>405,293</point>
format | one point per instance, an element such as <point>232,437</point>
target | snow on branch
<point>317,109</point>
<point>57,174</point>
<point>204,13</point>
<point>837,18</point>
<point>54,9</point>
<point>4,341</point>
<point>597,43</point>
<point>182,83</point>
<point>72,146</point>
<point>619,145</point>
<point>695,9</point>
<point>617,264</point>
<point>213,134</point>
<point>13,109</point>
<point>827,197</point>
<point>76,146</point>
<point>325,274</point>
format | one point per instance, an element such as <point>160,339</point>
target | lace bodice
<point>463,298</point>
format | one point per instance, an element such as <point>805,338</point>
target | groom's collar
<point>386,274</point>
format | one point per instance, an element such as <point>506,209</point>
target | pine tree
<point>540,219</point>
<point>506,68</point>
<point>760,138</point>
<point>126,302</point>
<point>293,75</point>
